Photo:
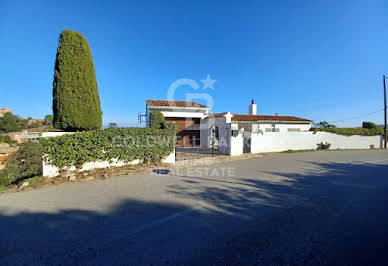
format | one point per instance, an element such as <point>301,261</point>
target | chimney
<point>253,108</point>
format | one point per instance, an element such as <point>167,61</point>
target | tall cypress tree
<point>76,103</point>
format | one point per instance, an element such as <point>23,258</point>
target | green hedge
<point>23,164</point>
<point>355,131</point>
<point>369,125</point>
<point>157,120</point>
<point>126,144</point>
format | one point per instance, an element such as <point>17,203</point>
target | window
<point>272,130</point>
<point>247,127</point>
<point>293,129</point>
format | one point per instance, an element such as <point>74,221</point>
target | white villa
<point>197,126</point>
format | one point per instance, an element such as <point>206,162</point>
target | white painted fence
<point>283,141</point>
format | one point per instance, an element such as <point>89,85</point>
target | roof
<point>261,118</point>
<point>275,118</point>
<point>174,103</point>
<point>215,115</point>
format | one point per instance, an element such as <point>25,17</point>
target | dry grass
<point>86,176</point>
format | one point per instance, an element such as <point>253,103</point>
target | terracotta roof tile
<point>215,115</point>
<point>174,103</point>
<point>277,118</point>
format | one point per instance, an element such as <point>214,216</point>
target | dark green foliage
<point>324,124</point>
<point>112,125</point>
<point>172,127</point>
<point>6,139</point>
<point>126,144</point>
<point>23,164</point>
<point>48,120</point>
<point>76,102</point>
<point>369,125</point>
<point>14,123</point>
<point>10,123</point>
<point>324,146</point>
<point>157,120</point>
<point>33,124</point>
<point>355,131</point>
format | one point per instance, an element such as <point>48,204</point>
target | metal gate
<point>194,151</point>
<point>247,142</point>
<point>191,153</point>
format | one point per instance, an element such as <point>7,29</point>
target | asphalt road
<point>313,208</point>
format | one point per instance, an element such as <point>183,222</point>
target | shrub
<point>126,144</point>
<point>23,164</point>
<point>48,120</point>
<point>324,124</point>
<point>112,125</point>
<point>324,146</point>
<point>369,125</point>
<point>76,103</point>
<point>354,131</point>
<point>14,123</point>
<point>7,139</point>
<point>157,120</point>
<point>10,123</point>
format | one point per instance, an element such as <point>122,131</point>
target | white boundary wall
<point>227,144</point>
<point>54,134</point>
<point>53,171</point>
<point>283,141</point>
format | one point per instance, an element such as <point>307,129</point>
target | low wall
<point>53,171</point>
<point>283,141</point>
<point>54,134</point>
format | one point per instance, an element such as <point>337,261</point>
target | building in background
<point>4,111</point>
<point>24,136</point>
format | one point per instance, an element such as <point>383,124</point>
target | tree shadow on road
<point>329,213</point>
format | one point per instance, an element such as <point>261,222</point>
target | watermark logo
<point>193,172</point>
<point>208,83</point>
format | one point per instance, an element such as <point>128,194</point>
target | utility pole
<point>385,113</point>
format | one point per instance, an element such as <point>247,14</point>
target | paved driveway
<point>302,208</point>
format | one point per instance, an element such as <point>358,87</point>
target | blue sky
<point>321,60</point>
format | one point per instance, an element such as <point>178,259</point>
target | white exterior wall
<point>54,134</point>
<point>281,127</point>
<point>170,158</point>
<point>53,171</point>
<point>185,112</point>
<point>236,143</point>
<point>283,141</point>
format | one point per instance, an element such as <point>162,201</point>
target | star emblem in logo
<point>208,82</point>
